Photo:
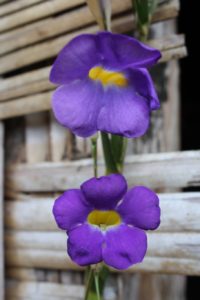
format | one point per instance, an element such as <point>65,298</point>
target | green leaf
<point>118,146</point>
<point>111,166</point>
<point>142,9</point>
<point>103,273</point>
<point>152,6</point>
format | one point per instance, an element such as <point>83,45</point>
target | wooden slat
<point>50,48</point>
<point>172,245</point>
<point>59,260</point>
<point>26,105</point>
<point>12,89</point>
<point>34,87</point>
<point>162,170</point>
<point>24,79</point>
<point>36,12</point>
<point>1,212</point>
<point>171,48</point>
<point>71,21</point>
<point>180,213</point>
<point>44,290</point>
<point>14,6</point>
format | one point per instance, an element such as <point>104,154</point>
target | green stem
<point>118,147</point>
<point>108,155</point>
<point>94,154</point>
<point>89,282</point>
<point>96,279</point>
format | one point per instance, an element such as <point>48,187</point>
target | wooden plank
<point>27,89</point>
<point>36,12</point>
<point>162,170</point>
<point>41,51</point>
<point>71,21</point>
<point>14,89</point>
<point>26,105</point>
<point>59,260</point>
<point>14,6</point>
<point>44,290</point>
<point>67,22</point>
<point>19,80</point>
<point>160,244</point>
<point>41,102</point>
<point>180,213</point>
<point>1,212</point>
<point>23,274</point>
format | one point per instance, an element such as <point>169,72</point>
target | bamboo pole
<point>71,21</point>
<point>180,213</point>
<point>153,170</point>
<point>14,6</point>
<point>44,290</point>
<point>42,51</point>
<point>160,244</point>
<point>36,12</point>
<point>170,48</point>
<point>59,260</point>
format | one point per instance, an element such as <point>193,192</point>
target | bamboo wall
<point>43,159</point>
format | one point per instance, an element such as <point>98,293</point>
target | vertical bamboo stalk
<point>58,139</point>
<point>37,137</point>
<point>1,214</point>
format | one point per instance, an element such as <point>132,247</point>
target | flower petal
<point>75,59</point>
<point>120,52</point>
<point>104,192</point>
<point>143,85</point>
<point>77,105</point>
<point>124,246</point>
<point>85,245</point>
<point>140,208</point>
<point>70,209</point>
<point>125,113</point>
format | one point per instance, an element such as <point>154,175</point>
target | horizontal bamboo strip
<point>50,48</point>
<point>36,12</point>
<point>71,21</point>
<point>59,260</point>
<point>24,79</point>
<point>27,89</point>
<point>25,274</point>
<point>44,290</point>
<point>41,102</point>
<point>14,6</point>
<point>172,245</point>
<point>26,105</point>
<point>37,81</point>
<point>180,213</point>
<point>160,170</point>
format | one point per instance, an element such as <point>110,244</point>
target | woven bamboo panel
<point>39,155</point>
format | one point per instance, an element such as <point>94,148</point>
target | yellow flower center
<point>108,77</point>
<point>104,219</point>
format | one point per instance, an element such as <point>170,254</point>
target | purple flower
<point>104,85</point>
<point>106,223</point>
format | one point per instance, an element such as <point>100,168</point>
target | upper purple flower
<point>104,85</point>
<point>106,223</point>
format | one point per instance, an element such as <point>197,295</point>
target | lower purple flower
<point>106,223</point>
